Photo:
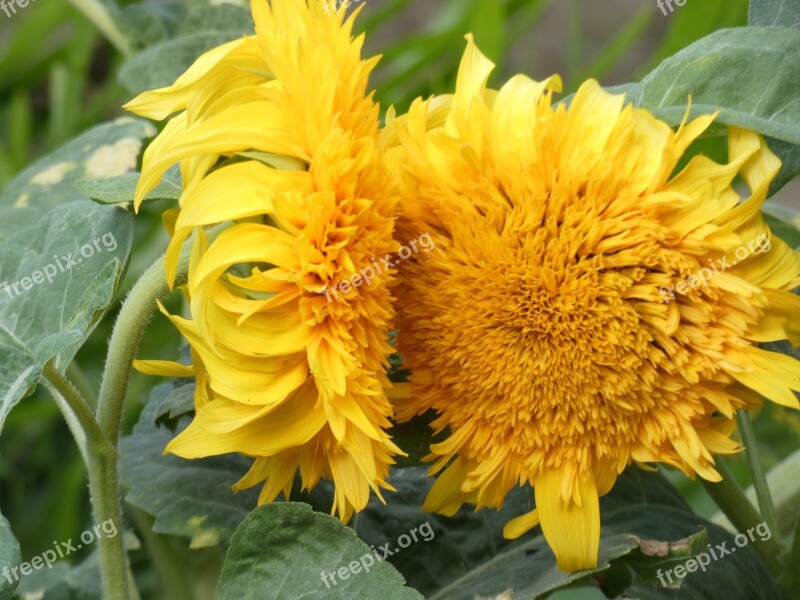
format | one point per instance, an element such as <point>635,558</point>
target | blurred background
<point>62,71</point>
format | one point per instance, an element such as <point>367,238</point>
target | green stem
<point>76,411</point>
<point>128,331</point>
<point>133,318</point>
<point>104,492</point>
<point>82,383</point>
<point>101,460</point>
<point>791,574</point>
<point>732,501</point>
<point>101,18</point>
<point>134,315</point>
<point>765,504</point>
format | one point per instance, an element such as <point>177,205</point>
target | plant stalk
<point>135,314</point>
<point>101,459</point>
<point>763,494</point>
<point>742,514</point>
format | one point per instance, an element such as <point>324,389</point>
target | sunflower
<point>277,135</point>
<point>544,329</point>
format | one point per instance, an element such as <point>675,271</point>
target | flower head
<point>538,329</point>
<point>278,135</point>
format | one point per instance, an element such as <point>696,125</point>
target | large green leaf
<point>108,150</point>
<point>286,551</point>
<point>191,498</point>
<point>780,13</point>
<point>63,255</point>
<point>122,188</point>
<point>751,73</point>
<point>10,557</point>
<point>467,555</point>
<point>695,21</point>
<point>784,223</point>
<point>203,28</point>
<point>790,157</point>
<point>63,580</point>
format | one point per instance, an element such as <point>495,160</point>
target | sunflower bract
<point>541,328</point>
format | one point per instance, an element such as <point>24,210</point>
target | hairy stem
<point>135,314</point>
<point>101,459</point>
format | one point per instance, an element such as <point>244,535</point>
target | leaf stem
<point>765,504</point>
<point>82,383</point>
<point>76,411</point>
<point>734,503</point>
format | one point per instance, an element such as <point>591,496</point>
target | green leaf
<point>752,74</point>
<point>121,189</point>
<point>780,13</point>
<point>147,24</point>
<point>160,65</point>
<point>790,157</point>
<point>65,581</point>
<point>190,498</point>
<point>468,555</point>
<point>783,222</point>
<point>178,403</point>
<point>107,150</point>
<point>204,27</point>
<point>63,255</point>
<point>282,551</point>
<point>695,21</point>
<point>10,557</point>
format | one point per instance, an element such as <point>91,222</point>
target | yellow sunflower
<point>585,306</point>
<point>277,133</point>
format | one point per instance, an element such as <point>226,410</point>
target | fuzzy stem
<point>101,458</point>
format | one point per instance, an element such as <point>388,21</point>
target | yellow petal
<point>166,368</point>
<point>572,531</point>
<point>521,525</point>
